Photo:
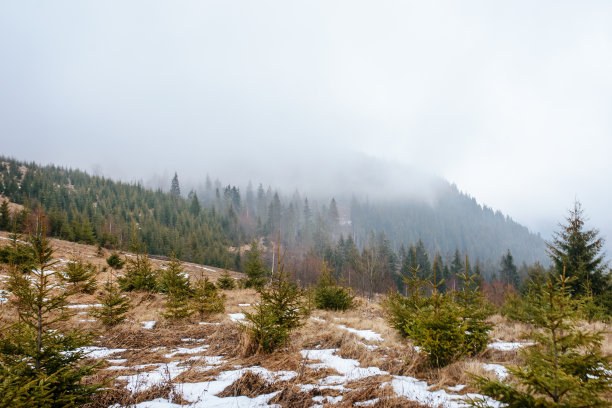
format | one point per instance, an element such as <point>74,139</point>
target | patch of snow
<point>157,403</point>
<point>117,360</point>
<point>326,399</point>
<point>148,324</point>
<point>99,352</point>
<point>83,306</point>
<point>317,319</point>
<point>204,394</point>
<point>348,369</point>
<point>366,403</point>
<point>416,390</point>
<point>236,317</point>
<point>507,345</point>
<point>409,387</point>
<point>500,371</point>
<point>208,323</point>
<point>456,388</point>
<point>187,339</point>
<point>145,380</point>
<point>364,334</point>
<point>185,350</point>
<point>244,304</point>
<point>210,360</point>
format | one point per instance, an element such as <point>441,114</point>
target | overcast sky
<point>511,101</point>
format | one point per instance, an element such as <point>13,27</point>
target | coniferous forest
<point>204,223</point>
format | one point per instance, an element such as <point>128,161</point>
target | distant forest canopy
<point>205,224</point>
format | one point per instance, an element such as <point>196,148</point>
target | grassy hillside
<point>337,359</point>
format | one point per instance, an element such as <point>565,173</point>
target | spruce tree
<point>563,367</point>
<point>580,252</point>
<point>329,294</point>
<point>175,284</point>
<point>81,276</point>
<point>206,299</point>
<point>226,281</point>
<point>254,267</point>
<point>280,310</point>
<point>114,304</point>
<point>46,359</point>
<point>173,279</point>
<point>508,272</point>
<point>5,216</point>
<point>175,189</point>
<point>139,274</point>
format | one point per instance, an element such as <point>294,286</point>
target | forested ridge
<point>204,224</point>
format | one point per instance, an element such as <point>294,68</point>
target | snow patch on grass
<point>236,317</point>
<point>364,334</point>
<point>500,371</point>
<point>148,324</point>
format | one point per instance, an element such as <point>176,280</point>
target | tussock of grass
<point>248,385</point>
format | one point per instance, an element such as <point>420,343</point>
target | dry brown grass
<point>248,385</point>
<point>292,396</point>
<point>394,354</point>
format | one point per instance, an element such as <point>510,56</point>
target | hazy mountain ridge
<point>444,218</point>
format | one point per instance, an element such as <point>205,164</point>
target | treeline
<point>96,210</point>
<point>210,222</point>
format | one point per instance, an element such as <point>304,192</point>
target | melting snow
<point>236,317</point>
<point>143,381</point>
<point>148,324</point>
<point>364,334</point>
<point>184,350</point>
<point>100,352</point>
<point>244,304</point>
<point>82,306</point>
<point>507,345</point>
<point>500,370</point>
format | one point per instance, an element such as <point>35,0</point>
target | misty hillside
<point>204,224</point>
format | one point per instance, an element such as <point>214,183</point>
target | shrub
<point>206,299</point>
<point>114,305</point>
<point>445,326</point>
<point>81,276</point>
<point>173,281</point>
<point>280,310</point>
<point>254,268</point>
<point>139,274</point>
<point>329,295</point>
<point>226,281</point>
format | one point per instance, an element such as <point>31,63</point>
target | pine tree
<point>226,281</point>
<point>173,279</point>
<point>473,311</point>
<point>175,189</point>
<point>508,272</point>
<point>580,252</point>
<point>46,359</point>
<point>564,366</point>
<point>81,276</point>
<point>280,310</point>
<point>329,295</point>
<point>175,284</point>
<point>206,299</point>
<point>114,304</point>
<point>254,267</point>
<point>139,274</point>
<point>5,216</point>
